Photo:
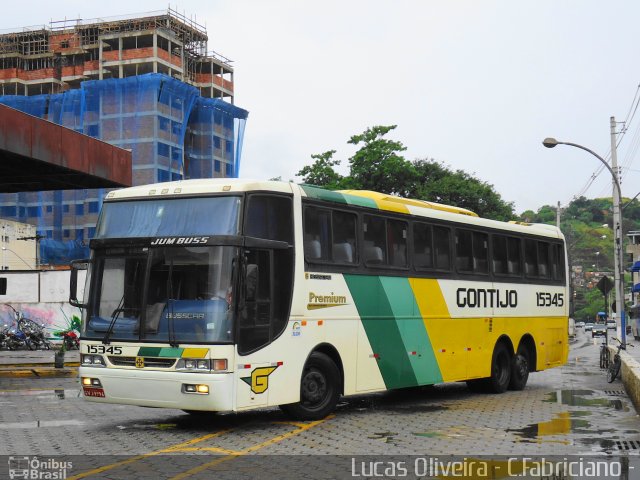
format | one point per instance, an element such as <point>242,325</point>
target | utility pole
<point>617,235</point>
<point>558,216</point>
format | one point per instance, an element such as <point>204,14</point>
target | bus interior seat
<point>513,267</point>
<point>153,315</point>
<point>313,249</point>
<point>399,255</point>
<point>423,260</point>
<point>373,254</point>
<point>498,266</point>
<point>343,252</point>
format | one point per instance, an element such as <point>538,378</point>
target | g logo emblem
<point>259,379</point>
<point>139,362</point>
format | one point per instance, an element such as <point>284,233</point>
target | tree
<point>378,165</point>
<point>321,172</point>
<point>438,183</point>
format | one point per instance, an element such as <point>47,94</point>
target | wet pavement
<point>567,411</point>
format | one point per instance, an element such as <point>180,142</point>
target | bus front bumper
<point>150,388</point>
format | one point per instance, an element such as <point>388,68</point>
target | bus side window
<point>530,258</point>
<point>375,245</point>
<point>442,248</point>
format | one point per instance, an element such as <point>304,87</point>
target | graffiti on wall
<point>54,316</point>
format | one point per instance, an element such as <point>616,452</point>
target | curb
<point>11,366</point>
<point>38,372</point>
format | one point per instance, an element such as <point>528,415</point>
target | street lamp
<point>617,232</point>
<point>597,256</point>
<point>22,259</point>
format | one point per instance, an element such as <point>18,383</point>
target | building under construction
<point>147,83</point>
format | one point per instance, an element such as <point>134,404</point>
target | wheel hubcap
<point>314,388</point>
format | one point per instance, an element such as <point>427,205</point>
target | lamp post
<point>617,232</point>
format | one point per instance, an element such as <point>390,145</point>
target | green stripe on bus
<point>149,351</point>
<point>360,201</point>
<point>382,331</point>
<point>171,352</point>
<point>322,194</point>
<point>412,330</point>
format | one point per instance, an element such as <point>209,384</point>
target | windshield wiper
<point>114,318</point>
<point>170,325</point>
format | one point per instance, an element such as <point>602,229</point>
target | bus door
<point>265,285</point>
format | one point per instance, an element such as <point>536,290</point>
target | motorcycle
<point>35,333</point>
<point>70,340</point>
<point>17,339</point>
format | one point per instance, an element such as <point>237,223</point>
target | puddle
<point>389,404</point>
<point>578,398</point>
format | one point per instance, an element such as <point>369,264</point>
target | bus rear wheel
<point>519,369</point>
<point>319,389</point>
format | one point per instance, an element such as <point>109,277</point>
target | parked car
<point>598,329</point>
<point>611,324</point>
<point>588,327</point>
<point>579,324</point>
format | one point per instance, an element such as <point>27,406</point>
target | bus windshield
<point>177,294</point>
<point>169,217</point>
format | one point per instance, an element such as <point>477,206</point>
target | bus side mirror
<point>3,286</point>
<point>73,282</point>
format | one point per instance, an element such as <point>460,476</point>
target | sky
<point>475,84</point>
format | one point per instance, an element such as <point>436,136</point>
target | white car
<point>611,324</point>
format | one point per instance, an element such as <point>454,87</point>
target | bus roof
<point>362,198</point>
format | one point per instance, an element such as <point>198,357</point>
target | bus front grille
<point>151,362</point>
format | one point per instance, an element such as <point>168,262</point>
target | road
<point>568,411</point>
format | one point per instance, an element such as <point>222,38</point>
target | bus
<point>224,295</point>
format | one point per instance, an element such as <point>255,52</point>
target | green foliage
<point>378,165</point>
<point>321,172</point>
<point>438,183</point>
<point>588,304</point>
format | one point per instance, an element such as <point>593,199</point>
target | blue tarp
<point>172,133</point>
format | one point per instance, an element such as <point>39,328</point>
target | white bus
<point>229,295</point>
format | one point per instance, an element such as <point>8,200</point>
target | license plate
<point>93,392</point>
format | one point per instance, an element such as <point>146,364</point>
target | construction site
<point>147,83</point>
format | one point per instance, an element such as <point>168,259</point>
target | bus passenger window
<point>480,253</point>
<point>514,262</point>
<point>499,254</point>
<point>530,258</point>
<point>344,237</point>
<point>317,234</point>
<point>543,260</point>
<point>397,242</point>
<point>442,248</point>
<point>464,251</point>
<point>422,246</point>
<point>374,248</point>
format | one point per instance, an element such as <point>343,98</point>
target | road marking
<point>301,428</point>
<point>146,455</point>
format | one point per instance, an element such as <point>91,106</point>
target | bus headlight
<point>202,365</point>
<point>194,365</point>
<point>93,361</point>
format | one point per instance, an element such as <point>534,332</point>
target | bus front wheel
<point>319,389</point>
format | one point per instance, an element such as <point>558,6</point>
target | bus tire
<point>319,389</point>
<point>519,369</point>
<point>500,369</point>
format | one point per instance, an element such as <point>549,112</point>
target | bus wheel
<point>519,369</point>
<point>500,369</point>
<point>319,389</point>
